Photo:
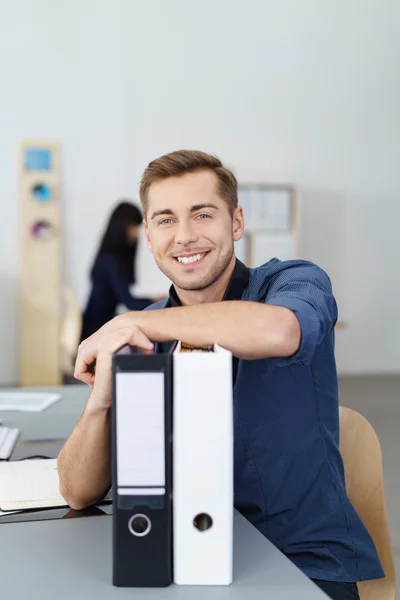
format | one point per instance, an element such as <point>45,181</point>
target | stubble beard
<point>207,280</point>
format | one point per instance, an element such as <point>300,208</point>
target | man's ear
<point>146,233</point>
<point>238,224</point>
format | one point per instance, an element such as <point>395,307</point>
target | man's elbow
<point>73,500</point>
<point>76,504</point>
<point>289,335</point>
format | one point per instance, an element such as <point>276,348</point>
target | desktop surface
<point>43,556</point>
<point>74,560</point>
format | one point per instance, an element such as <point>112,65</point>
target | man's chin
<point>191,286</point>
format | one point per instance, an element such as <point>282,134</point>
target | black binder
<point>142,469</point>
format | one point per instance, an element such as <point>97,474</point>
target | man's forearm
<point>250,330</point>
<point>84,463</point>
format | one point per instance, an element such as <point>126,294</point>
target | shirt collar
<point>237,284</point>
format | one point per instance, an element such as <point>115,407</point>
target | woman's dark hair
<point>115,240</point>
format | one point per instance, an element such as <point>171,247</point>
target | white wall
<point>306,92</point>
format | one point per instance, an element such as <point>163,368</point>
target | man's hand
<point>87,351</point>
<point>93,364</point>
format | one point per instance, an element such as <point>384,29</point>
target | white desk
<point>71,558</point>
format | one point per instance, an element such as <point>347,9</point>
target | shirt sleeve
<point>307,291</point>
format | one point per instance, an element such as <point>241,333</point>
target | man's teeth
<point>190,259</point>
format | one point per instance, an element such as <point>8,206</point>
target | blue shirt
<point>288,471</point>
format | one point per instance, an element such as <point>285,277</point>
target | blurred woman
<point>113,270</point>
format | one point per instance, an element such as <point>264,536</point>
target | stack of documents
<point>30,484</point>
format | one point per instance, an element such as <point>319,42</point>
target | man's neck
<point>213,293</point>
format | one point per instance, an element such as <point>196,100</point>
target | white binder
<point>202,467</point>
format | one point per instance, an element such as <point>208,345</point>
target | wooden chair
<point>362,458</point>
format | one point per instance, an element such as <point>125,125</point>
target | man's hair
<point>180,162</point>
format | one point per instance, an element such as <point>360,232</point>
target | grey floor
<point>378,399</point>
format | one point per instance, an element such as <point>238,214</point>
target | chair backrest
<point>362,458</point>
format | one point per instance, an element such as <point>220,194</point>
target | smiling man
<point>189,239</point>
<point>278,321</point>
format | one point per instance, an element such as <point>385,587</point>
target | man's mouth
<point>186,259</point>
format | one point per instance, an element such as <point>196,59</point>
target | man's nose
<point>185,233</point>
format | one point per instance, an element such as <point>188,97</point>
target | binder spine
<point>141,470</point>
<point>203,468</point>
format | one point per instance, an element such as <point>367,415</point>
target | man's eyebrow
<point>194,208</point>
<point>164,211</point>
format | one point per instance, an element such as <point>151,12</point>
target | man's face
<point>190,230</point>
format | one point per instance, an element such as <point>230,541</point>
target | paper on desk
<point>27,401</point>
<point>30,484</point>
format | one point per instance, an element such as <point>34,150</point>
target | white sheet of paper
<point>27,401</point>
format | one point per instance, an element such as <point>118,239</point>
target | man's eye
<point>165,221</point>
<point>203,216</point>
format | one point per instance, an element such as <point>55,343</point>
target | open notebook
<point>30,484</point>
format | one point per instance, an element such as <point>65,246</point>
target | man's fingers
<point>141,341</point>
<point>133,337</point>
<point>99,348</point>
<point>85,359</point>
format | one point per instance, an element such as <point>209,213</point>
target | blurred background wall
<point>302,92</point>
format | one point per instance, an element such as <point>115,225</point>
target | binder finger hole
<point>139,525</point>
<point>202,522</point>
